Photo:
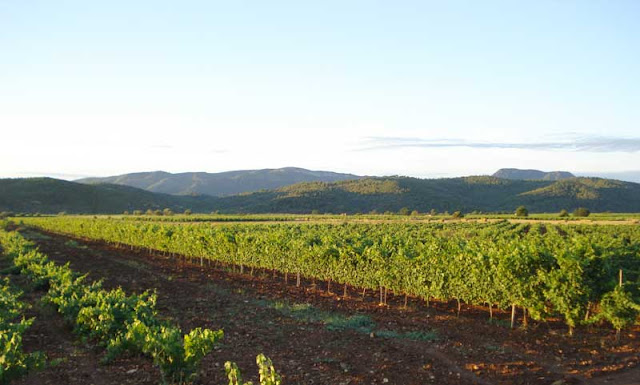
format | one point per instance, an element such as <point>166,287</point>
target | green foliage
<point>619,308</point>
<point>565,289</point>
<point>563,213</point>
<point>233,374</point>
<point>581,212</point>
<point>522,211</point>
<point>178,356</point>
<point>268,374</point>
<point>105,315</point>
<point>118,321</point>
<point>14,362</point>
<point>549,270</point>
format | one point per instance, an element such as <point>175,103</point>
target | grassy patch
<point>414,335</point>
<point>359,323</point>
<point>333,321</point>
<point>387,334</point>
<point>421,335</point>
<point>74,244</point>
<point>499,322</point>
<point>35,235</point>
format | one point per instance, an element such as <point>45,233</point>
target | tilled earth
<point>258,315</point>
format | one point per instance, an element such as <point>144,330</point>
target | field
<point>365,300</point>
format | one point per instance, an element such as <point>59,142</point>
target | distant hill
<point>479,193</point>
<point>475,193</point>
<point>518,174</point>
<point>629,176</point>
<point>47,195</point>
<point>219,184</point>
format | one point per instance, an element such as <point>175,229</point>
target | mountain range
<point>347,194</point>
<point>219,184</point>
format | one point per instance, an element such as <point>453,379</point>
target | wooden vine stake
<point>619,284</point>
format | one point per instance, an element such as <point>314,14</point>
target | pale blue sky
<point>421,88</point>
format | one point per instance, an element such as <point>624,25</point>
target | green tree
<point>187,212</point>
<point>581,212</point>
<point>563,213</point>
<point>522,211</point>
<point>404,211</point>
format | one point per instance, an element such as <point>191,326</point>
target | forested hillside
<point>476,193</point>
<point>480,193</point>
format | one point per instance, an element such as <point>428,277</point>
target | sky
<point>418,88</point>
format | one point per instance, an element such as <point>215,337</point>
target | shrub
<point>522,212</point>
<point>581,212</point>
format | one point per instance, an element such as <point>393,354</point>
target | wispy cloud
<point>581,143</point>
<point>161,147</point>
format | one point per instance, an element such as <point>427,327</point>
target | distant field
<point>594,218</point>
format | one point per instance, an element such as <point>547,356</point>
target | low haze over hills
<point>219,184</point>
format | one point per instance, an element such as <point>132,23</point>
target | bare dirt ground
<point>315,337</point>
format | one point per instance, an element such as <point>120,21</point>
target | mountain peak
<point>519,174</point>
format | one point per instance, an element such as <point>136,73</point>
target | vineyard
<point>520,275</point>
<point>581,274</point>
<point>112,319</point>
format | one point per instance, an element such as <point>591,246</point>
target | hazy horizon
<point>628,176</point>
